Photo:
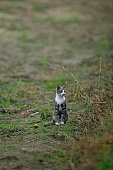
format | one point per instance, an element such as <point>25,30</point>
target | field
<point>43,44</point>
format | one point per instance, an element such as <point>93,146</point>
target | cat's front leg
<point>62,120</point>
<point>56,119</point>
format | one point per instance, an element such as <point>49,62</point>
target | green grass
<point>3,125</point>
<point>24,36</point>
<point>71,20</point>
<point>61,152</point>
<point>49,85</point>
<point>7,146</point>
<point>18,4</point>
<point>77,47</point>
<point>12,94</point>
<point>17,25</point>
<point>5,9</point>
<point>9,125</point>
<point>105,162</point>
<point>37,7</point>
<point>42,62</point>
<point>55,130</point>
<point>48,157</point>
<point>2,22</point>
<point>63,79</point>
<point>104,47</point>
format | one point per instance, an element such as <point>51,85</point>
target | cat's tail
<point>49,123</point>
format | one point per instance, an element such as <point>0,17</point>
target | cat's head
<point>61,90</point>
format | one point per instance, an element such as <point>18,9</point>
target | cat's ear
<point>64,86</point>
<point>58,87</point>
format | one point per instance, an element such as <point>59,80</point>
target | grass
<point>77,47</point>
<point>5,9</point>
<point>49,85</point>
<point>24,36</point>
<point>104,47</point>
<point>71,20</point>
<point>79,124</point>
<point>2,22</point>
<point>37,7</point>
<point>17,25</point>
<point>7,146</point>
<point>18,4</point>
<point>48,157</point>
<point>105,160</point>
<point>84,142</point>
<point>41,62</point>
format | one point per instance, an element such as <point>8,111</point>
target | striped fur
<point>60,115</point>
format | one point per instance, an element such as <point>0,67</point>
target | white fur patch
<point>59,99</point>
<point>56,123</point>
<point>62,123</point>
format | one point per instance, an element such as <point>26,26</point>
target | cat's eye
<point>60,91</point>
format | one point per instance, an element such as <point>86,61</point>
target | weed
<point>61,152</point>
<point>31,122</point>
<point>103,47</point>
<point>24,36</point>
<point>2,22</point>
<point>27,45</point>
<point>18,4</point>
<point>49,85</point>
<point>48,157</point>
<point>72,20</point>
<point>100,70</point>
<point>7,146</point>
<point>45,112</point>
<point>5,9</point>
<point>20,138</point>
<point>18,25</point>
<point>86,68</point>
<point>22,56</point>
<point>70,130</point>
<point>41,62</point>
<point>42,131</point>
<point>87,109</point>
<point>3,125</point>
<point>37,7</point>
<point>105,160</point>
<point>66,51</point>
<point>55,130</point>
<point>61,80</point>
<point>77,47</point>
<point>13,124</point>
<point>13,26</point>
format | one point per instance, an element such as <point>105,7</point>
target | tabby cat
<point>60,115</point>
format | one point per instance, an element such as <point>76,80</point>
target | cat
<point>60,115</point>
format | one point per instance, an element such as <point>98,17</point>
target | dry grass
<point>95,146</point>
<point>87,154</point>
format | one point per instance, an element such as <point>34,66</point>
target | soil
<point>33,33</point>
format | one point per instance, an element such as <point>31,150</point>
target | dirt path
<point>31,34</point>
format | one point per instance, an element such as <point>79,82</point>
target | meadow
<point>44,44</point>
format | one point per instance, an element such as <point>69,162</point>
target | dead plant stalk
<point>87,98</point>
